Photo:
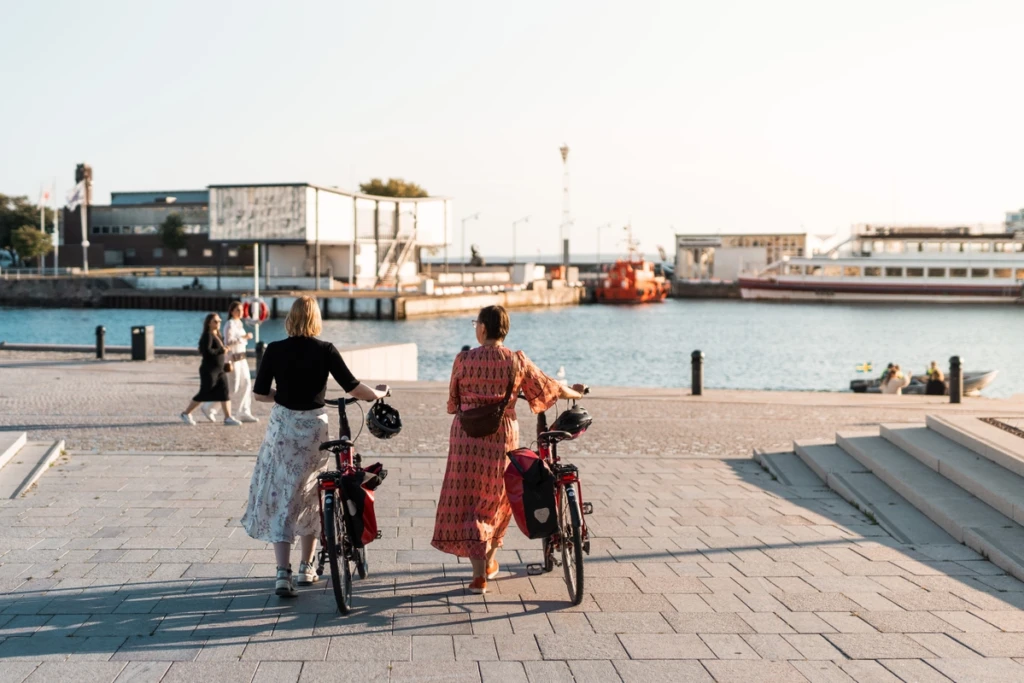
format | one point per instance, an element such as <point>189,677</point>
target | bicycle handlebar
<point>337,401</point>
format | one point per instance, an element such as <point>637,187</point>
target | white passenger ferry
<point>903,264</point>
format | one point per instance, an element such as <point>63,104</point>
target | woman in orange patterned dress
<point>473,511</point>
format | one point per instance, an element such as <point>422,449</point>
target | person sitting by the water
<point>936,382</point>
<point>932,369</point>
<point>895,381</point>
<point>885,373</point>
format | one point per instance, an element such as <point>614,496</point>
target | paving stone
<point>203,672</point>
<point>629,622</point>
<point>475,648</point>
<point>143,672</point>
<point>993,644</point>
<point>877,646</point>
<point>665,646</point>
<point>518,648</point>
<point>453,672</point>
<point>988,670</point>
<point>728,646</point>
<point>699,622</point>
<point>594,671</point>
<point>368,647</point>
<point>366,672</point>
<point>913,670</point>
<point>676,671</point>
<point>77,672</point>
<point>278,672</point>
<point>907,622</point>
<point>771,646</point>
<point>548,672</point>
<point>16,672</point>
<point>944,646</point>
<point>502,672</point>
<point>276,648</point>
<point>766,622</point>
<point>568,647</point>
<point>744,672</point>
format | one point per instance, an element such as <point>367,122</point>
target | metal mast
<point>563,230</point>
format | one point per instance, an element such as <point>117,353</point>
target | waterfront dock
<point>127,559</point>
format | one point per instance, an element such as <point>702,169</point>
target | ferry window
<point>232,253</point>
<point>130,253</point>
<point>1018,246</point>
<point>207,253</point>
<point>979,272</point>
<point>914,246</point>
<point>979,246</point>
<point>915,272</point>
<point>1002,273</point>
<point>158,253</point>
<point>936,272</point>
<point>1002,247</point>
<point>958,272</point>
<point>894,247</point>
<point>963,247</point>
<point>933,246</point>
<point>878,245</point>
<point>814,270</point>
<point>95,229</point>
<point>183,252</point>
<point>872,271</point>
<point>833,271</point>
<point>851,271</point>
<point>105,229</point>
<point>894,272</point>
<point>1020,274</point>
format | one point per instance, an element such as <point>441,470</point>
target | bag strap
<point>515,463</point>
<point>511,381</point>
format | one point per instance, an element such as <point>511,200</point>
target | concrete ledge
<point>10,443</point>
<point>31,462</point>
<point>1002,448</point>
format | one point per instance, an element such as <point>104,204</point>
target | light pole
<point>465,220</point>
<point>524,219</point>
<point>599,229</point>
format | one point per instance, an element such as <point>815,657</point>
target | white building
<point>310,230</point>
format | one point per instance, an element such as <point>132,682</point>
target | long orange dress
<point>473,511</point>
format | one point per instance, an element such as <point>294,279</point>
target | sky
<point>681,117</point>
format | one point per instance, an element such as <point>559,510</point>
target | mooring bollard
<point>260,348</point>
<point>956,379</point>
<point>697,379</point>
<point>101,342</point>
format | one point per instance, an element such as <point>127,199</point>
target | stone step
<point>999,446</point>
<point>10,443</point>
<point>788,469</point>
<point>866,492</point>
<point>25,468</point>
<point>998,487</point>
<point>965,517</point>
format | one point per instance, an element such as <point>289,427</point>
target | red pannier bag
<point>530,486</point>
<point>360,518</point>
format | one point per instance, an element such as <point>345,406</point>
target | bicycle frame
<point>568,480</point>
<point>345,460</point>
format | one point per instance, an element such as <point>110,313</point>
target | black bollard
<point>101,342</point>
<point>260,348</point>
<point>956,379</point>
<point>697,379</point>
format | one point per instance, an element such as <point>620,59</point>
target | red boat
<point>632,280</point>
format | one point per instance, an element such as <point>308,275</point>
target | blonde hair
<point>304,318</point>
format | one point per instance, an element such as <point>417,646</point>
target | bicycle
<point>336,546</point>
<point>572,539</point>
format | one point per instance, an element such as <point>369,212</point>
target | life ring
<point>255,310</point>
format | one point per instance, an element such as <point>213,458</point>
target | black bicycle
<point>337,547</point>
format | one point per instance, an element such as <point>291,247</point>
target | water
<point>747,345</point>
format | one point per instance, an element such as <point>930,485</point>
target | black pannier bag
<point>360,518</point>
<point>530,486</point>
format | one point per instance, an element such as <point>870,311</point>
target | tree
<point>30,243</point>
<point>16,212</point>
<point>172,233</point>
<point>394,187</point>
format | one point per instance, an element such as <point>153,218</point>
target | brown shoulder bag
<point>485,420</point>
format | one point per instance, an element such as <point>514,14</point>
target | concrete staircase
<point>953,478</point>
<point>22,462</point>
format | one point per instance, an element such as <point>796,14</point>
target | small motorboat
<point>632,280</point>
<point>974,382</point>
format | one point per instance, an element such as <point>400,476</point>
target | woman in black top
<point>213,382</point>
<point>283,500</point>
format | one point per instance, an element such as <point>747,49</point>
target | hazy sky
<point>681,116</point>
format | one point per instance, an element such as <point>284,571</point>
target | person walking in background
<point>473,510</point>
<point>283,499</point>
<point>236,339</point>
<point>213,383</point>
<point>895,382</point>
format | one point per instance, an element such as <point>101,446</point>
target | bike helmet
<point>383,420</point>
<point>575,420</point>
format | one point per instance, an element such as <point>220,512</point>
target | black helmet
<point>383,420</point>
<point>575,420</point>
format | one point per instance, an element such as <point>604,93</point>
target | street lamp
<point>524,219</point>
<point>465,220</point>
<point>599,229</point>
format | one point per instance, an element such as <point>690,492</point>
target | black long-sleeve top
<point>299,367</point>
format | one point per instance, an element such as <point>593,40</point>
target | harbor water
<point>747,345</point>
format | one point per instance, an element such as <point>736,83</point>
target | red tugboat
<point>632,280</point>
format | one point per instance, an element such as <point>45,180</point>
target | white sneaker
<point>231,422</point>
<point>284,586</point>
<point>210,412</point>
<point>307,574</point>
<point>248,417</point>
<point>187,419</point>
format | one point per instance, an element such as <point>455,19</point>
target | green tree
<point>172,234</point>
<point>16,212</point>
<point>30,243</point>
<point>394,187</point>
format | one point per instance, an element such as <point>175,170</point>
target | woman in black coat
<point>213,381</point>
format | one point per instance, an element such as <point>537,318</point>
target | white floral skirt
<point>283,501</point>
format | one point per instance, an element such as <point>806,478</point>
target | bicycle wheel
<point>334,531</point>
<point>570,527</point>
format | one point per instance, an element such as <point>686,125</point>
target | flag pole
<point>56,231</point>
<point>42,226</point>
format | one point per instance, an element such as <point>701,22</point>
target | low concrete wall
<point>420,307</point>
<point>231,284</point>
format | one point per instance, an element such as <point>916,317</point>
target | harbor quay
<point>126,560</point>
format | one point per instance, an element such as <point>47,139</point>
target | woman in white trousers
<point>239,381</point>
